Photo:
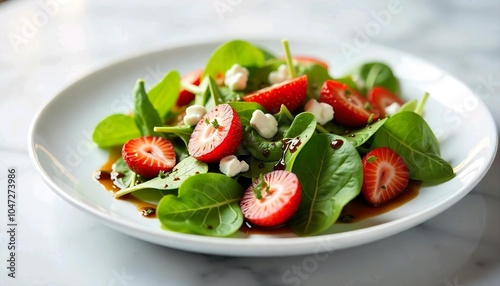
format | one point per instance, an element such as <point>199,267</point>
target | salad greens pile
<point>198,199</point>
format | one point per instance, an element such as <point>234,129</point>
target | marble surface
<point>46,44</point>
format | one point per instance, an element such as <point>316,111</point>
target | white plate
<point>62,150</point>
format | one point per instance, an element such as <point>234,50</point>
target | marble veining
<point>59,245</point>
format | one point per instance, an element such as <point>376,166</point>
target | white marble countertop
<point>46,44</point>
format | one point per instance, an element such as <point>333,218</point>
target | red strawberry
<point>291,93</point>
<point>185,96</point>
<point>351,109</point>
<point>272,199</point>
<point>217,135</point>
<point>385,175</point>
<point>149,155</point>
<point>381,98</point>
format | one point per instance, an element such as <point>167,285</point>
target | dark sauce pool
<point>355,211</point>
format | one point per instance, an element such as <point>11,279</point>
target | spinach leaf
<point>245,110</point>
<point>230,53</point>
<point>164,94</point>
<point>172,180</point>
<point>409,106</point>
<point>124,176</point>
<point>316,76</point>
<point>207,204</point>
<point>284,116</point>
<point>408,134</point>
<point>258,77</point>
<point>267,54</point>
<point>261,148</point>
<point>115,130</point>
<point>348,81</point>
<point>299,133</point>
<point>182,131</point>
<point>359,136</point>
<point>373,74</point>
<point>145,115</point>
<point>330,178</point>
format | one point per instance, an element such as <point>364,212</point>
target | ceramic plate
<point>62,150</point>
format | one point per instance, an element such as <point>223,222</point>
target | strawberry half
<point>149,155</point>
<point>185,96</point>
<point>217,135</point>
<point>381,98</point>
<point>385,175</point>
<point>291,93</point>
<point>310,60</point>
<point>272,199</point>
<point>351,109</point>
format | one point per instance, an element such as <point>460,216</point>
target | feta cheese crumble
<point>280,75</point>
<point>194,113</point>
<point>265,124</point>
<point>322,111</point>
<point>231,166</point>
<point>392,109</point>
<point>236,77</point>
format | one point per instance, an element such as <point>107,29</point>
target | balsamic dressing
<point>355,211</point>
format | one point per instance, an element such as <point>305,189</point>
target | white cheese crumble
<point>236,77</point>
<point>231,166</point>
<point>392,109</point>
<point>280,75</point>
<point>322,111</point>
<point>265,124</point>
<point>194,113</point>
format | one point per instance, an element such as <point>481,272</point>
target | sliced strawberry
<point>291,93</point>
<point>381,98</point>
<point>149,155</point>
<point>385,175</point>
<point>310,60</point>
<point>272,199</point>
<point>185,96</point>
<point>351,109</point>
<point>217,135</point>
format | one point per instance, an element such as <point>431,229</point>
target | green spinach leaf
<point>233,52</point>
<point>145,115</point>
<point>373,74</point>
<point>115,130</point>
<point>164,94</point>
<point>408,134</point>
<point>124,176</point>
<point>172,180</point>
<point>245,110</point>
<point>359,136</point>
<point>330,178</point>
<point>181,131</point>
<point>207,204</point>
<point>299,133</point>
<point>316,76</point>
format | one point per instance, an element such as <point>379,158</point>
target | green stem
<point>321,129</point>
<point>421,103</point>
<point>288,56</point>
<point>190,87</point>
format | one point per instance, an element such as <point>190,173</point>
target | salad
<point>270,141</point>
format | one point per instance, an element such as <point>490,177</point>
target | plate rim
<point>383,230</point>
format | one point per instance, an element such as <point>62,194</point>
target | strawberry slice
<point>149,155</point>
<point>381,98</point>
<point>351,109</point>
<point>385,175</point>
<point>272,199</point>
<point>185,96</point>
<point>291,93</point>
<point>217,135</point>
